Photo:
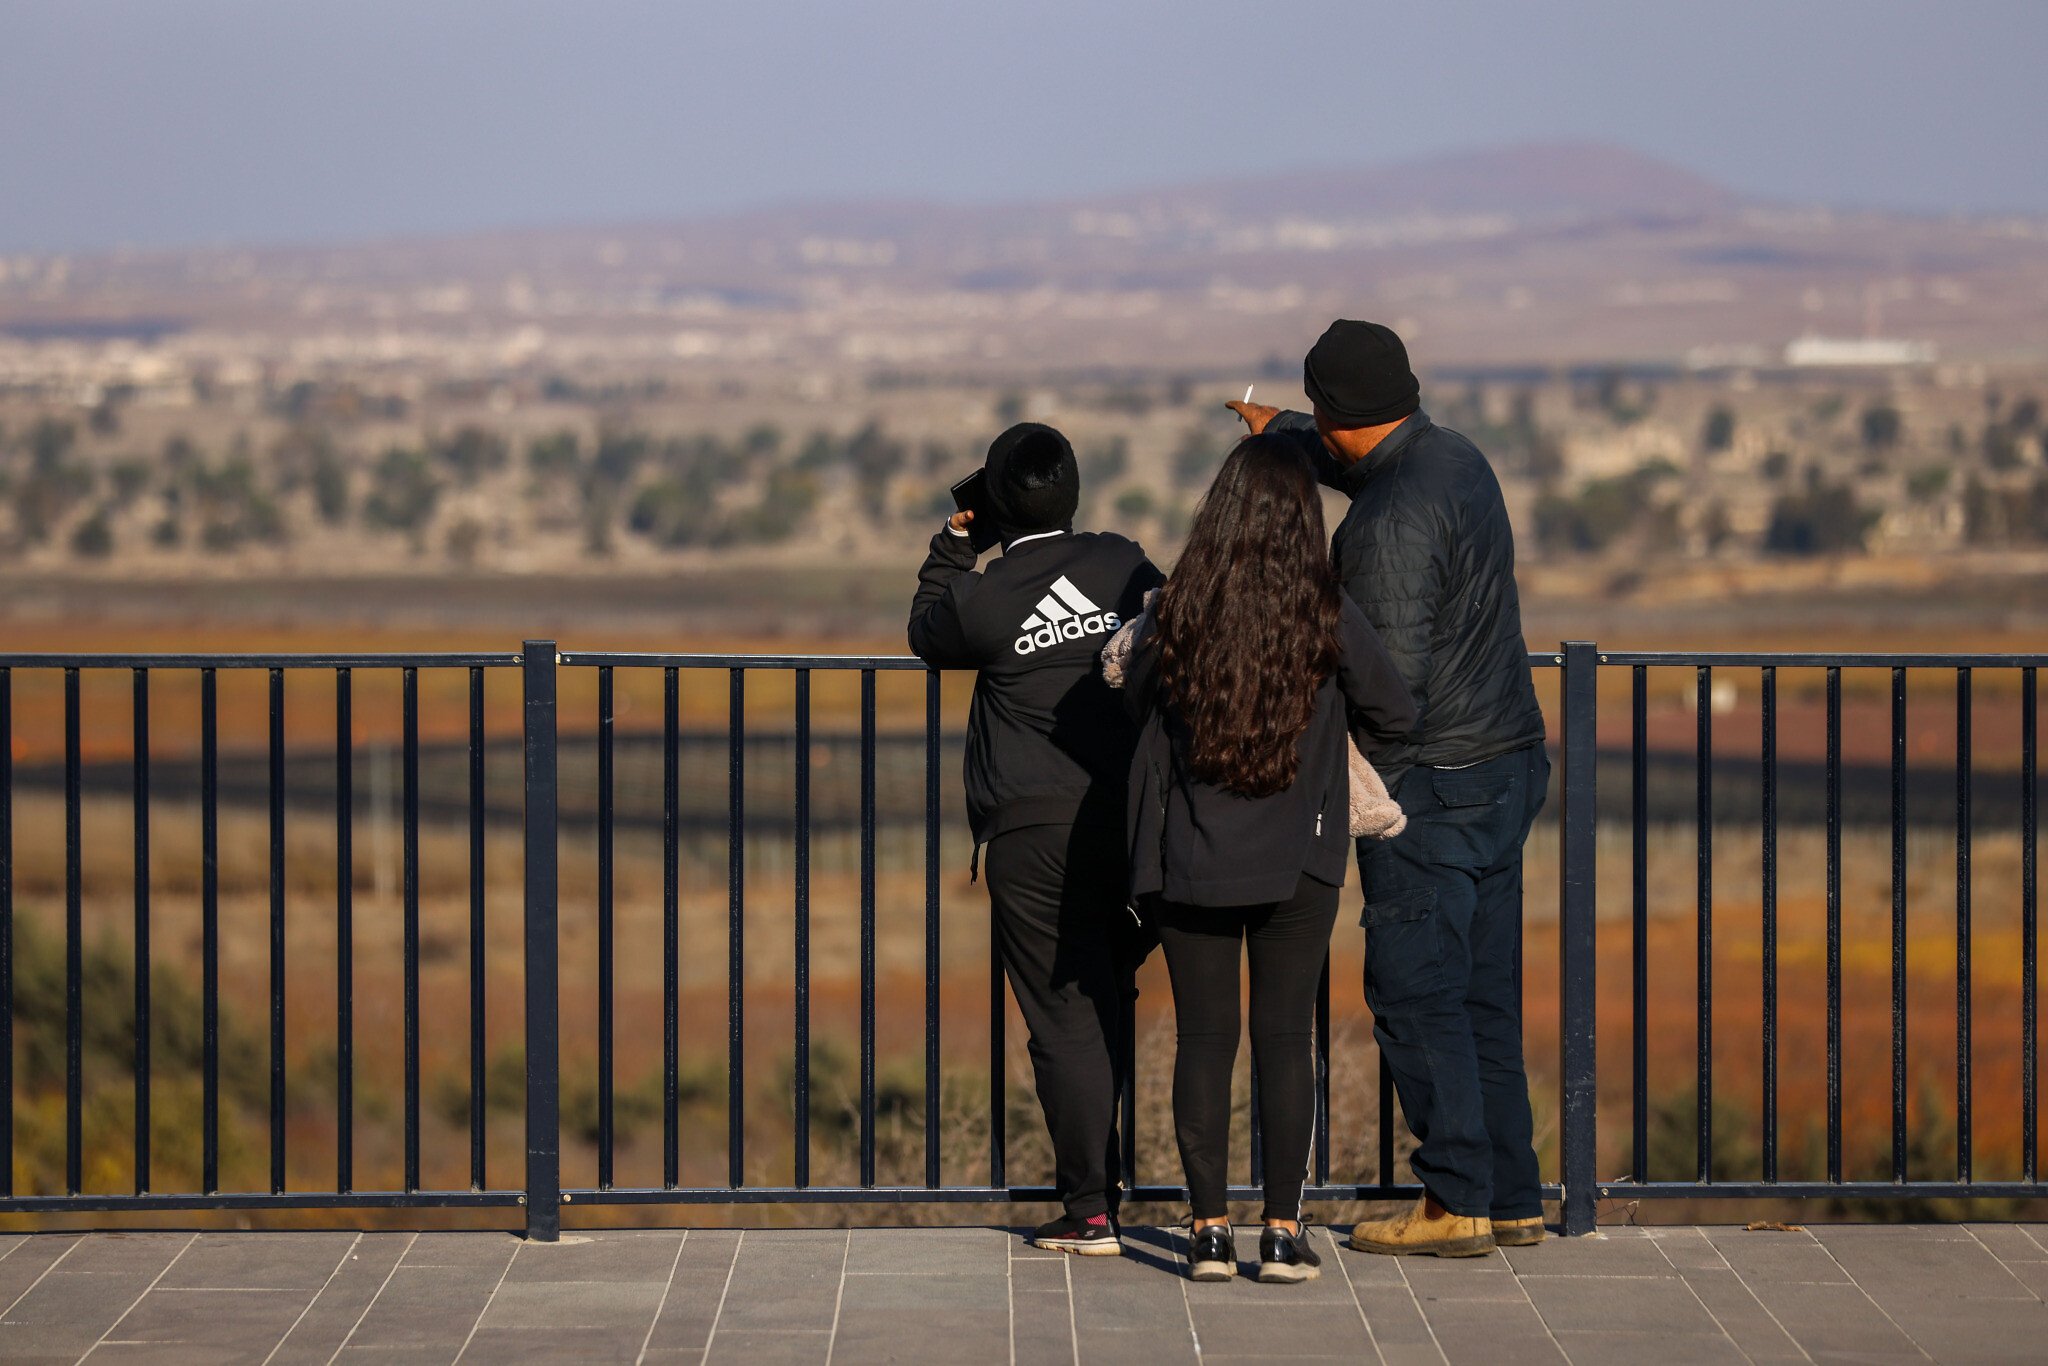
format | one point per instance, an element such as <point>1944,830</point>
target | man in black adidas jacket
<point>1426,550</point>
<point>1048,754</point>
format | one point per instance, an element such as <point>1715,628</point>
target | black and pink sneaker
<point>1096,1237</point>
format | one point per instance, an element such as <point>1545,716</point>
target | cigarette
<point>1247,393</point>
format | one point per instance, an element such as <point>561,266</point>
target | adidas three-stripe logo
<point>1064,613</point>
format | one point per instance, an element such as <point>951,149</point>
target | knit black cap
<point>1033,482</point>
<point>1358,374</point>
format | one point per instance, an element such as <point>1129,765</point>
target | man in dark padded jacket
<point>1427,552</point>
<point>1048,758</point>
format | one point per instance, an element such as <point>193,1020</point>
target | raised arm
<point>938,633</point>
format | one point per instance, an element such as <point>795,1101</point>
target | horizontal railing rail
<point>699,1166</point>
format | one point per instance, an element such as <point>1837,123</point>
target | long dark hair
<point>1248,623</point>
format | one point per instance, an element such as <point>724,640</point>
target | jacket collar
<point>1355,476</point>
<point>1016,541</point>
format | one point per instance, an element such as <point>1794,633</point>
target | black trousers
<point>1071,949</point>
<point>1287,942</point>
<point>1443,945</point>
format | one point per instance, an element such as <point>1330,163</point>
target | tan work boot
<point>1518,1232</point>
<point>1428,1229</point>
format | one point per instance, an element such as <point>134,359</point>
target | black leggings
<point>1288,942</point>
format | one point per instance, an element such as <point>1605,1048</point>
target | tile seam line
<point>1693,1291</point>
<point>1416,1300</point>
<point>1187,1265</point>
<point>2001,1263</point>
<point>1872,1299</point>
<point>662,1306</point>
<point>1073,1327</point>
<point>350,1336</point>
<point>1330,1237</point>
<point>730,1267</point>
<point>109,1333</point>
<point>838,1299</point>
<point>1530,1300</point>
<point>1743,1281</point>
<point>15,1303</point>
<point>1010,1292</point>
<point>341,1262</point>
<point>489,1299</point>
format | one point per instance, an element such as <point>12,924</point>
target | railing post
<point>543,1060</point>
<point>1578,1129</point>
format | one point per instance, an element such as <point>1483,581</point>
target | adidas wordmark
<point>1064,613</point>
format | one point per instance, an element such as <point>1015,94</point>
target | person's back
<point>1248,672</point>
<point>1427,552</point>
<point>1046,739</point>
<point>1048,752</point>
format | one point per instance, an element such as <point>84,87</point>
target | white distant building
<point>1848,351</point>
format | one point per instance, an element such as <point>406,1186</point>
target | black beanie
<point>1358,374</point>
<point>1033,482</point>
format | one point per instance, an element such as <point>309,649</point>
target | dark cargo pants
<point>1443,934</point>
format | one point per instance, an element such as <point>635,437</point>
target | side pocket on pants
<point>1404,959</point>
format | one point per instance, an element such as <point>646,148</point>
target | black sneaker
<point>1286,1257</point>
<point>1212,1253</point>
<point>1078,1236</point>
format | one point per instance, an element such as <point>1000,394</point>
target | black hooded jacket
<point>1426,550</point>
<point>1047,741</point>
<point>1200,845</point>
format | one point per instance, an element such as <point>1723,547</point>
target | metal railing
<point>1578,671</point>
<point>143,1196</point>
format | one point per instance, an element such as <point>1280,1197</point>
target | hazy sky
<point>177,121</point>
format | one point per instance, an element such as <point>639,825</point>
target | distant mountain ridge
<point>1565,251</point>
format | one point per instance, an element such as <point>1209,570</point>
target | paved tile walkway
<point>1669,1296</point>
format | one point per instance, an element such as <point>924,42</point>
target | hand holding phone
<point>970,495</point>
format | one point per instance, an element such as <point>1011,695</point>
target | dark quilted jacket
<point>1427,552</point>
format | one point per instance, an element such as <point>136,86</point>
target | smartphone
<point>971,495</point>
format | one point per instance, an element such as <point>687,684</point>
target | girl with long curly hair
<point>1248,677</point>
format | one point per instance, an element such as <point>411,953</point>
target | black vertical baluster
<point>1386,1126</point>
<point>277,930</point>
<point>1578,950</point>
<point>142,954</point>
<point>867,927</point>
<point>931,928</point>
<point>542,829</point>
<point>1770,922</point>
<point>1322,1168</point>
<point>209,932</point>
<point>1703,807</point>
<point>2029,728</point>
<point>412,928</point>
<point>604,929</point>
<point>6,931</point>
<point>1127,1088</point>
<point>1898,924</point>
<point>1834,900</point>
<point>477,1043</point>
<point>671,924</point>
<point>344,931</point>
<point>1639,925</point>
<point>1963,763</point>
<point>998,1067</point>
<point>736,932</point>
<point>74,949</point>
<point>802,834</point>
<point>1258,1138</point>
